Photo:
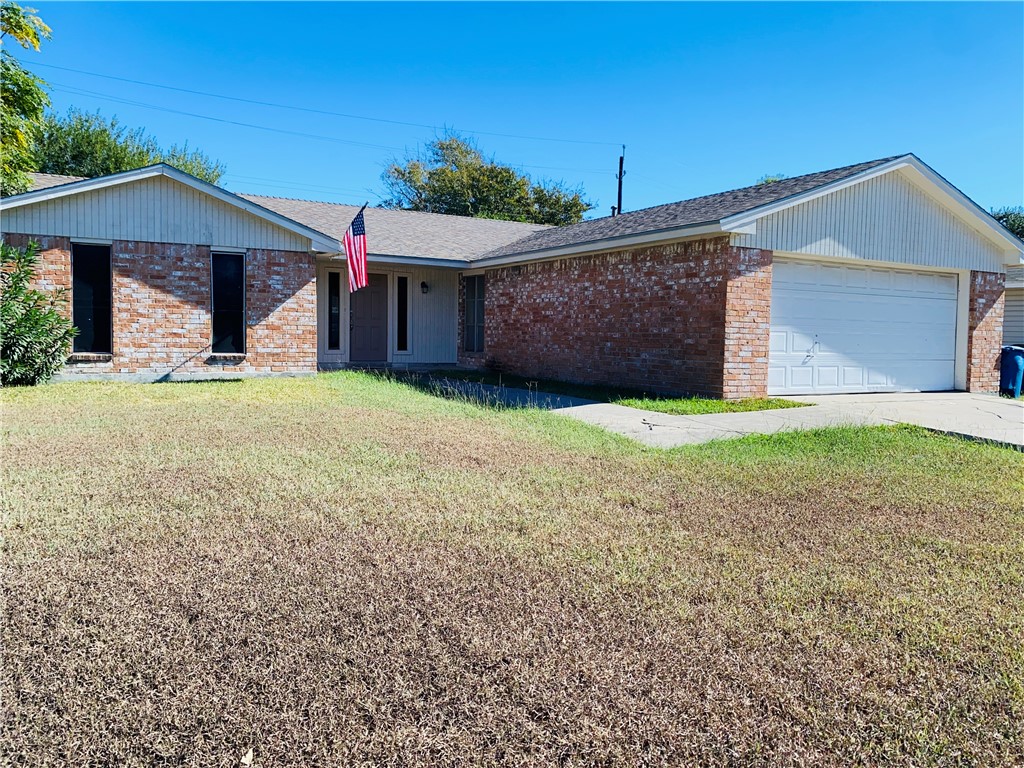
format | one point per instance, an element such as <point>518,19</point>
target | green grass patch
<point>692,406</point>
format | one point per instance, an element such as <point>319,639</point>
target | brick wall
<point>161,297</point>
<point>54,268</point>
<point>660,318</point>
<point>748,307</point>
<point>985,331</point>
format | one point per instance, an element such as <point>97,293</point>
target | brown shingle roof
<point>697,210</point>
<point>404,233</point>
<point>47,180</point>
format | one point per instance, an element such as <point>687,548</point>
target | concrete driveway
<point>975,416</point>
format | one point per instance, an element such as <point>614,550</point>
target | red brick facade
<point>674,318</point>
<point>748,305</point>
<point>161,312</point>
<point>985,331</point>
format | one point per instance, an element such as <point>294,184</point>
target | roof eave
<point>985,224</point>
<point>318,240</point>
<point>607,243</point>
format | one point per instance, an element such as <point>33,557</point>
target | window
<point>401,313</point>
<point>474,314</point>
<point>227,300</point>
<point>91,304</point>
<point>334,310</point>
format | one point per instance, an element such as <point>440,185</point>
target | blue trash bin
<point>1011,372</point>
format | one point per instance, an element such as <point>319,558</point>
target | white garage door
<point>842,328</point>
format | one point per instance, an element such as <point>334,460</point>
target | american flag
<point>355,249</point>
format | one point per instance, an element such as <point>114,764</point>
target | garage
<point>838,328</point>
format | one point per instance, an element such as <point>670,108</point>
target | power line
<point>320,111</point>
<point>96,94</point>
<point>131,102</point>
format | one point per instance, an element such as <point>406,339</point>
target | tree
<point>22,95</point>
<point>771,178</point>
<point>87,144</point>
<point>452,176</point>
<point>35,330</point>
<point>1012,218</point>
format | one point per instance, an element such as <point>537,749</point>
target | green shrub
<point>35,333</point>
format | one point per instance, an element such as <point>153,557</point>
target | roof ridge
<point>395,210</point>
<point>762,184</point>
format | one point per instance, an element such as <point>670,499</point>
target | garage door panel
<point>854,329</point>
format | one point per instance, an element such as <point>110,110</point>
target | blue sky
<point>706,97</point>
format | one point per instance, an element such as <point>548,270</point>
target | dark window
<point>402,308</point>
<point>228,302</point>
<point>474,327</point>
<point>334,310</point>
<point>91,305</point>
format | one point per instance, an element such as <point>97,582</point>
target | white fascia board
<point>967,209</point>
<point>419,261</point>
<point>606,244</point>
<point>318,240</point>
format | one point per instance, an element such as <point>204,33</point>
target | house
<point>874,277</point>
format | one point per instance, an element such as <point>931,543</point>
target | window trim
<point>479,287</point>
<point>245,304</point>
<point>109,352</point>
<point>408,314</point>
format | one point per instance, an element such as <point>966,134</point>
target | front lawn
<point>346,570</point>
<point>438,382</point>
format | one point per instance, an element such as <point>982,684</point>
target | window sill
<point>225,358</point>
<point>90,357</point>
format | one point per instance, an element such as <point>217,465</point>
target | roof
<point>41,193</point>
<point>697,210</point>
<point>47,180</point>
<point>405,233</point>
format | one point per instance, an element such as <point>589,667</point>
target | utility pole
<point>622,160</point>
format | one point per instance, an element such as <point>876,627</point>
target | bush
<point>35,332</point>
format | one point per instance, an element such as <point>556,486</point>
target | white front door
<point>838,328</point>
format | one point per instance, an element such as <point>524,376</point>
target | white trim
<point>965,208</point>
<point>89,240</point>
<point>963,322</point>
<point>393,320</point>
<point>228,249</point>
<point>606,244</point>
<point>412,261</point>
<point>318,240</point>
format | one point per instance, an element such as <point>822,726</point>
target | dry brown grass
<point>347,571</point>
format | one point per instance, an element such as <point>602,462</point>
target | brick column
<point>748,302</point>
<point>984,331</point>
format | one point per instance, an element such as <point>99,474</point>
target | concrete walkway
<point>974,416</point>
<point>981,417</point>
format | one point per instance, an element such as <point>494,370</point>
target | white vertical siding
<point>158,210</point>
<point>434,316</point>
<point>1013,317</point>
<point>886,218</point>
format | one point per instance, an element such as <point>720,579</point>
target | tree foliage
<point>452,176</point>
<point>22,95</point>
<point>35,330</point>
<point>1012,218</point>
<point>86,144</point>
<point>771,178</point>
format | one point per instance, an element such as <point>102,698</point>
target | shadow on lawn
<point>496,396</point>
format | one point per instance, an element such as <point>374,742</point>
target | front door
<point>369,322</point>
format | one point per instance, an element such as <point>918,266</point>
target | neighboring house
<point>1013,320</point>
<point>874,277</point>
